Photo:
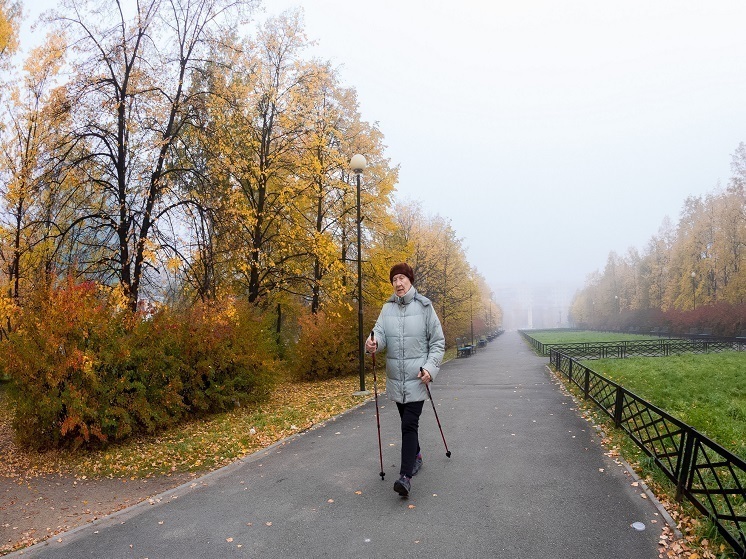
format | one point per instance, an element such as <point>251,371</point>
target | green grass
<point>549,337</point>
<point>707,391</point>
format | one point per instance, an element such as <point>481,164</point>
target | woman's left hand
<point>424,375</point>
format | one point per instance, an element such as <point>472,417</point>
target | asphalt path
<point>527,478</point>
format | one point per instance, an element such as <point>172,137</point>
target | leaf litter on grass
<point>194,446</point>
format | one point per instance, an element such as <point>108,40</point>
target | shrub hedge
<point>85,370</point>
<point>327,345</point>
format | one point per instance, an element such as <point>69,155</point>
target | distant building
<point>535,306</point>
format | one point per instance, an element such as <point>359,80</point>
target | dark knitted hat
<point>402,268</point>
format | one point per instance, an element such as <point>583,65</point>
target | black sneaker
<point>402,486</point>
<point>417,465</point>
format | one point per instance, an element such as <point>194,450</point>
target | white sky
<point>550,133</point>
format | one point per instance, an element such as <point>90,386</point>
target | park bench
<point>462,350</point>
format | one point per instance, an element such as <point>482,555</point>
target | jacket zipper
<point>401,358</point>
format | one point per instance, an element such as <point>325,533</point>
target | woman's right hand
<point>371,346</point>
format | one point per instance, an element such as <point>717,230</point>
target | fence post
<point>587,382</point>
<point>618,405</point>
<point>685,464</point>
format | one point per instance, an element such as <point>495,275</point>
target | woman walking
<point>410,331</point>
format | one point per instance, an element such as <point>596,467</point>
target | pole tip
<point>448,454</point>
<point>382,474</point>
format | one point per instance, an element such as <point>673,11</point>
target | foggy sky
<point>549,133</point>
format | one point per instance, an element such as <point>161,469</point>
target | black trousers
<point>410,442</point>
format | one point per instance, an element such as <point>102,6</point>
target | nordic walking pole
<point>448,452</point>
<point>378,421</point>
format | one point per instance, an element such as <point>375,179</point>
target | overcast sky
<point>550,133</point>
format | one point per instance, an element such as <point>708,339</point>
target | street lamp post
<point>471,319</point>
<point>357,164</point>
<point>694,291</point>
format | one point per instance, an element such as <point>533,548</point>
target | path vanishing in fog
<point>528,478</point>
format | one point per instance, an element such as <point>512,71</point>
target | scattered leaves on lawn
<point>195,446</point>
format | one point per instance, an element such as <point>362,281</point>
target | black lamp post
<point>357,164</point>
<point>471,319</point>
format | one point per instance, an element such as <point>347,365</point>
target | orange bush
<point>85,370</point>
<point>327,345</point>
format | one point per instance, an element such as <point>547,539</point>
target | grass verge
<point>581,336</point>
<point>707,391</point>
<point>194,446</point>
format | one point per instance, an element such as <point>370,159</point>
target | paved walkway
<point>527,479</point>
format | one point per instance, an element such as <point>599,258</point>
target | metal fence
<point>710,476</point>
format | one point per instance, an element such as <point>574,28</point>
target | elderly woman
<point>410,331</point>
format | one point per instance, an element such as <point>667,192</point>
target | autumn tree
<point>252,134</point>
<point>10,20</point>
<point>34,115</point>
<point>696,263</point>
<point>131,106</point>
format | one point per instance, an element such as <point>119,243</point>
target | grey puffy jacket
<point>410,331</point>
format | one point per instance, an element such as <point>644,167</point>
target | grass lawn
<point>549,337</point>
<point>198,445</point>
<point>706,391</point>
